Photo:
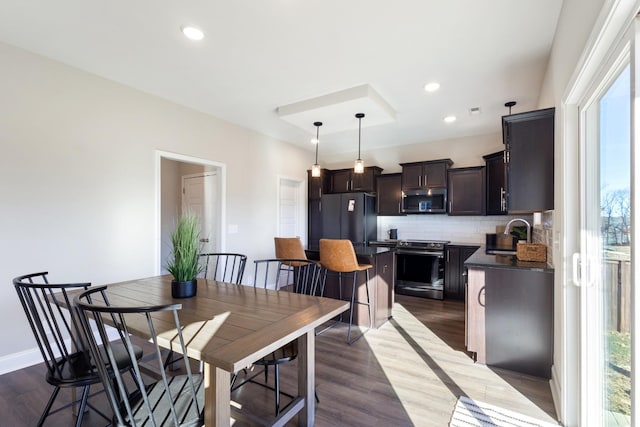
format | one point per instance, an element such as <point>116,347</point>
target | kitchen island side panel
<point>519,320</point>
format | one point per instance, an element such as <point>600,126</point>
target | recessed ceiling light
<point>449,119</point>
<point>192,33</point>
<point>432,87</point>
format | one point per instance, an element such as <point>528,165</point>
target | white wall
<point>575,26</point>
<point>78,171</point>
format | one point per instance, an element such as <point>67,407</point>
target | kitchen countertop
<point>472,245</point>
<point>367,251</point>
<point>480,259</point>
<point>392,243</point>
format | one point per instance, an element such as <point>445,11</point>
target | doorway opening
<point>189,183</point>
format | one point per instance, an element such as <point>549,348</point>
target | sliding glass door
<point>606,223</point>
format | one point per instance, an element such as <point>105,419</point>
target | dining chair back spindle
<point>176,400</point>
<point>62,341</point>
<point>224,267</point>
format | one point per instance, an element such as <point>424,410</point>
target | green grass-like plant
<point>184,261</point>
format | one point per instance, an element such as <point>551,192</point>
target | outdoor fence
<point>617,282</point>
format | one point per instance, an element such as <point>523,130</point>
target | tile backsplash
<point>459,229</point>
<point>463,229</point>
<point>543,233</point>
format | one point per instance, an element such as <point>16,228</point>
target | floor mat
<point>470,412</point>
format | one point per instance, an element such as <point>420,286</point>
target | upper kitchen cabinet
<point>466,191</point>
<point>389,194</point>
<point>420,175</point>
<point>528,139</point>
<point>317,186</point>
<point>345,180</point>
<point>495,183</point>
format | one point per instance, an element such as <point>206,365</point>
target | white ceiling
<point>258,55</point>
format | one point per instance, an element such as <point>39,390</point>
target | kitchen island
<point>509,313</point>
<point>381,283</point>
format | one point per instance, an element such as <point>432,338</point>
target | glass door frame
<point>615,28</point>
<point>591,296</point>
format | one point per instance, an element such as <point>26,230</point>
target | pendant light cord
<point>317,140</point>
<point>359,135</point>
<point>317,125</point>
<point>359,116</point>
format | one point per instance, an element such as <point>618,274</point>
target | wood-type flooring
<point>409,372</point>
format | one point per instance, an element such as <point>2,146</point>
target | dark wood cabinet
<point>455,272</point>
<point>519,320</point>
<point>341,181</point>
<point>345,180</point>
<point>495,175</point>
<point>333,181</point>
<point>421,175</point>
<point>314,224</point>
<point>389,194</point>
<point>528,139</point>
<point>316,187</point>
<point>365,181</point>
<point>466,191</point>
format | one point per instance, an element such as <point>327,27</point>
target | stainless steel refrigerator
<point>349,216</point>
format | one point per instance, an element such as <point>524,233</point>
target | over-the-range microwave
<point>432,200</point>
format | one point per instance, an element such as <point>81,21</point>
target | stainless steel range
<point>420,268</point>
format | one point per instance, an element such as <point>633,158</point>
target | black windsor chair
<point>170,400</point>
<point>62,342</point>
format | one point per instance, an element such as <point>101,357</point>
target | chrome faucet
<point>507,229</point>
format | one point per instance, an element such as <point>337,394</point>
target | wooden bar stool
<point>338,255</point>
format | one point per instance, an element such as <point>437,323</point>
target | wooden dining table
<point>229,327</point>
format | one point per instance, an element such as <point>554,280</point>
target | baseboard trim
<point>24,359</point>
<point>15,361</point>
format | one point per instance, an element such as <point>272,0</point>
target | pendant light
<point>315,169</point>
<point>359,165</point>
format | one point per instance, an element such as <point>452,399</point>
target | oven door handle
<point>419,252</point>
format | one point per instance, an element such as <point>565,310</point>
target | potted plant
<point>184,260</point>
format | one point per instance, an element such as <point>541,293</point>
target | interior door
<point>199,195</point>
<point>289,208</point>
<point>606,298</point>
